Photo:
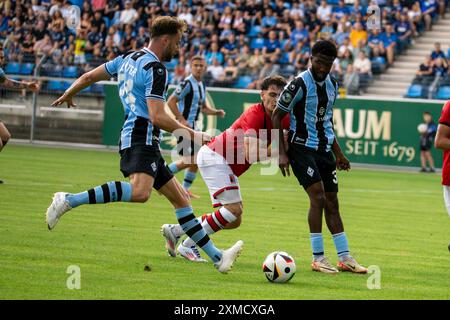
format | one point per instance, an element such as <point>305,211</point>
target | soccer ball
<point>422,128</point>
<point>279,267</point>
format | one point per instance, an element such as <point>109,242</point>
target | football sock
<point>213,222</point>
<point>173,167</point>
<point>341,244</point>
<point>189,178</point>
<point>109,192</point>
<point>317,245</point>
<point>192,227</point>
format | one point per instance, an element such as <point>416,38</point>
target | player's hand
<point>283,163</point>
<point>33,86</point>
<point>202,136</point>
<point>342,162</point>
<point>64,98</point>
<point>221,113</point>
<point>183,121</point>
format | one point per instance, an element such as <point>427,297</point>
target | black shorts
<point>311,166</point>
<point>145,159</point>
<point>187,148</point>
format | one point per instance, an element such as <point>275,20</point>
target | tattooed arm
<point>13,84</point>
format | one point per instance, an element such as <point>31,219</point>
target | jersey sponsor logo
<point>310,171</point>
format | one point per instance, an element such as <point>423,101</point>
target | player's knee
<point>318,198</point>
<point>235,224</point>
<point>235,208</point>
<point>140,195</point>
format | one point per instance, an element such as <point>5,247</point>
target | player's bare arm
<point>172,103</point>
<point>283,161</point>
<point>208,110</point>
<point>87,79</point>
<point>252,150</point>
<point>14,84</point>
<point>342,162</point>
<point>442,141</point>
<point>160,118</point>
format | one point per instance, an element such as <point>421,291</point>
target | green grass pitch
<point>395,221</point>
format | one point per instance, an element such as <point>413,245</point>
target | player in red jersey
<point>442,141</point>
<point>226,158</point>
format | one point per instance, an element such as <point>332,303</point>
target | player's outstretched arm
<point>87,79</point>
<point>13,84</point>
<point>342,162</point>
<point>442,141</point>
<point>161,119</point>
<point>277,117</point>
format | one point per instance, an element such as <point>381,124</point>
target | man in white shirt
<point>324,11</point>
<point>129,15</point>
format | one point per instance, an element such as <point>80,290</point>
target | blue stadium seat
<point>70,72</point>
<point>243,82</point>
<point>414,91</point>
<point>54,85</point>
<point>257,43</point>
<point>254,31</point>
<point>65,85</point>
<point>77,3</point>
<point>443,93</point>
<point>26,68</point>
<point>284,58</point>
<point>12,68</point>
<point>378,65</point>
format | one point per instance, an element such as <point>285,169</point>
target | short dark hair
<point>278,81</point>
<point>325,47</point>
<point>167,25</point>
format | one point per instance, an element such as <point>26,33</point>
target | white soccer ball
<point>279,267</point>
<point>422,128</point>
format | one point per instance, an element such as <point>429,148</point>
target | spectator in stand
<point>389,39</point>
<point>340,11</point>
<point>268,22</point>
<point>180,71</point>
<point>440,67</point>
<point>272,46</point>
<point>404,31</point>
<point>214,54</point>
<point>216,70</point>
<point>43,47</point>
<point>429,12</point>
<point>344,46</point>
<point>425,74</point>
<point>128,15</point>
<point>230,49</point>
<point>324,11</point>
<point>376,44</point>
<point>256,61</point>
<point>437,52</point>
<point>243,59</point>
<point>363,67</point>
<point>327,30</point>
<point>230,72</point>
<point>357,34</point>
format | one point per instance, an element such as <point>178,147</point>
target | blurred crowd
<point>241,40</point>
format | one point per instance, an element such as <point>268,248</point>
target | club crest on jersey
<point>321,111</point>
<point>232,178</point>
<point>310,171</point>
<point>286,97</point>
<point>292,87</point>
<point>153,166</point>
<point>160,71</point>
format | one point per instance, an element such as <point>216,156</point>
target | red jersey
<point>445,120</point>
<point>230,143</point>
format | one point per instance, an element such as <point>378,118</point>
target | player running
<point>223,160</point>
<point>190,95</point>
<point>11,84</point>
<point>142,87</point>
<point>309,99</point>
<point>442,141</point>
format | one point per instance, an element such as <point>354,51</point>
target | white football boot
<point>190,253</point>
<point>171,239</point>
<point>58,207</point>
<point>228,257</point>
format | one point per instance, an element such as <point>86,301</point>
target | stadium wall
<point>379,131</point>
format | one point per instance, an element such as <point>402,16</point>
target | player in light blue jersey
<point>11,84</point>
<point>142,80</point>
<point>314,153</point>
<point>186,103</point>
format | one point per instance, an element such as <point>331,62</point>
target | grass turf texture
<point>396,221</point>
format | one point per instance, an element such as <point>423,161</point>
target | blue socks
<point>109,192</point>
<point>317,245</point>
<point>173,167</point>
<point>189,177</point>
<point>193,229</point>
<point>341,244</point>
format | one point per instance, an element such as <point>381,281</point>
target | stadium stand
<point>249,32</point>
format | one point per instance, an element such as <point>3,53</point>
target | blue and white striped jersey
<point>310,104</point>
<point>191,97</point>
<point>141,76</point>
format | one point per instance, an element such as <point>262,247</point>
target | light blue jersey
<point>191,98</point>
<point>141,76</point>
<point>310,104</point>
